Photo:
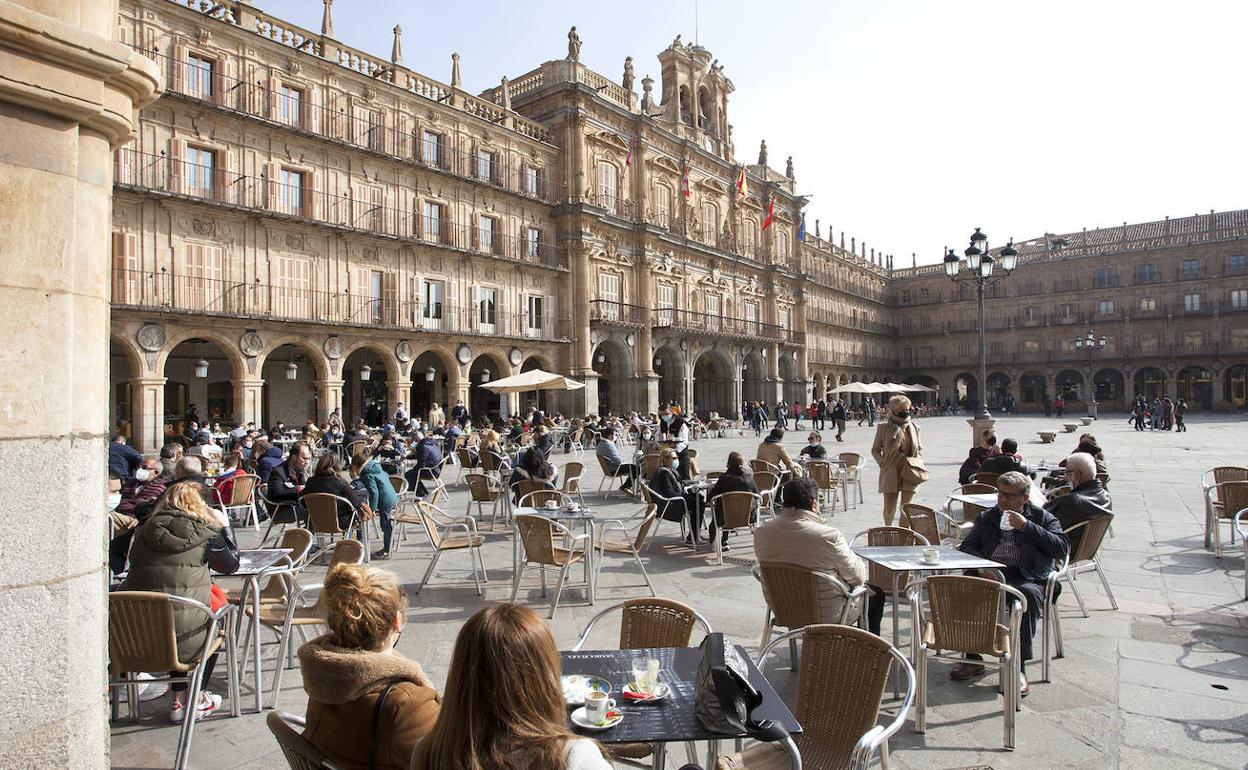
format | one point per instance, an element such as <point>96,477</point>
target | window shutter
<point>451,309</point>
<point>177,62</point>
<point>523,313</point>
<point>177,151</point>
<point>474,308</point>
<point>500,311</point>
<point>274,174</point>
<point>311,108</point>
<point>274,84</point>
<point>389,300</point>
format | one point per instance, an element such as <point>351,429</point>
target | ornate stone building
<point>300,226</point>
<point>1170,299</point>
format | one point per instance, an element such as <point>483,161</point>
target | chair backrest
<point>766,481</point>
<point>792,593</point>
<point>852,460</point>
<point>713,475</point>
<point>141,634</point>
<point>399,483</point>
<point>299,541</point>
<point>347,552</point>
<point>356,446</point>
<point>487,461</point>
<point>758,465</point>
<point>462,454</point>
<point>1234,497</point>
<point>528,486</point>
<point>571,476</point>
<point>479,489</point>
<point>963,613</point>
<point>643,530</point>
<point>241,489</point>
<point>921,519</point>
<point>322,510</point>
<point>537,533</point>
<point>1229,473</point>
<point>888,536</point>
<point>970,510</point>
<point>821,473</point>
<point>299,752</point>
<point>986,477</point>
<point>602,464</point>
<point>651,465</point>
<point>656,623</point>
<point>1091,532</point>
<point>840,686</point>
<point>430,524</point>
<point>539,497</point>
<point>525,439</point>
<point>736,508</point>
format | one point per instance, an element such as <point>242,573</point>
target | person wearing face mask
<point>368,706</point>
<point>814,448</point>
<point>667,482</point>
<point>674,428</point>
<point>975,458</point>
<point>898,451</point>
<point>646,443</point>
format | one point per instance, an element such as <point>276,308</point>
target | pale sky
<point>910,122</point>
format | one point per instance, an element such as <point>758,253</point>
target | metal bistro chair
<point>284,513</point>
<point>438,527</point>
<point>539,497</point>
<point>820,472</point>
<point>853,471</point>
<point>924,520</point>
<point>969,510</point>
<point>299,752</point>
<point>1224,500</point>
<point>757,465</point>
<point>964,619</point>
<point>482,489</point>
<point>1208,480</point>
<point>538,536</point>
<point>608,477</point>
<point>890,581</point>
<point>322,510</point>
<point>768,483</point>
<point>793,594</point>
<point>242,500</point>
<point>571,480</point>
<point>142,637</point>
<point>275,589</point>
<point>1241,524</point>
<point>986,477</point>
<point>631,544</point>
<point>431,478</point>
<point>737,510</point>
<point>463,459</point>
<point>1081,558</point>
<point>650,465</point>
<point>839,691</point>
<point>661,504</point>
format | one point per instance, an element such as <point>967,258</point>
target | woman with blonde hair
<point>899,453</point>
<point>504,707</point>
<point>368,706</point>
<point>172,552</point>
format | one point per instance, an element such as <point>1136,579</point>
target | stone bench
<point>1047,436</point>
<point>1086,420</point>
<point>1070,427</point>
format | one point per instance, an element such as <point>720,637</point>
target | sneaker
<point>382,554</point>
<point>208,703</point>
<point>147,692</point>
<point>966,670</point>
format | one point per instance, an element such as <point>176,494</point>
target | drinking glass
<point>645,674</point>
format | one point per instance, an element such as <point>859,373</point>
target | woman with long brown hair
<point>503,706</point>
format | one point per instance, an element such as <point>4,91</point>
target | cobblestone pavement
<point>1162,681</point>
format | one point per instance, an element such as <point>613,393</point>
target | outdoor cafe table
<point>673,719</point>
<point>1035,496</point>
<point>583,516</point>
<point>252,565</point>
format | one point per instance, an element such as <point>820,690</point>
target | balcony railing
<point>211,183</point>
<point>163,291</point>
<point>707,323</point>
<point>610,312</point>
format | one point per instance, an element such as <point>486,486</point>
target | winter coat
<point>381,496</point>
<point>1041,539</point>
<point>1086,501</point>
<point>972,463</point>
<point>801,538</point>
<point>343,686</point>
<point>775,453</point>
<point>270,460</point>
<point>172,553</point>
<point>886,449</point>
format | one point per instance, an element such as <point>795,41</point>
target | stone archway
<point>1235,386</point>
<point>482,403</point>
<point>1069,385</point>
<point>669,365</point>
<point>613,363</point>
<point>367,372</point>
<point>1107,386</point>
<point>201,376</point>
<point>435,379</point>
<point>291,369</point>
<point>1034,386</point>
<point>1150,382</point>
<point>966,390</point>
<point>754,379</point>
<point>794,391</point>
<point>1194,384</point>
<point>998,388</point>
<point>714,384</point>
<point>124,365</point>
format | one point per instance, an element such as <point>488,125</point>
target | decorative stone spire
<point>506,91</point>
<point>396,51</point>
<point>817,235</point>
<point>788,167</point>
<point>842,240</point>
<point>327,19</point>
<point>455,80</point>
<point>762,153</point>
<point>914,259</point>
<point>647,98</point>
<point>853,245</point>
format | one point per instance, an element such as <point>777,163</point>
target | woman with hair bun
<point>368,705</point>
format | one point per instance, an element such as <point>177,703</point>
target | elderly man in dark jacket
<point>1006,462</point>
<point>1029,544</point>
<point>1087,498</point>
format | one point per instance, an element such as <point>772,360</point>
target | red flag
<point>771,214</point>
<point>741,185</point>
<point>684,182</point>
<point>632,145</point>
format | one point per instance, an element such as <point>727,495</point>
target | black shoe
<point>382,554</point>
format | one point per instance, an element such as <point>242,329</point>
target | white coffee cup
<point>1005,520</point>
<point>597,704</point>
<point>931,555</point>
<point>552,505</point>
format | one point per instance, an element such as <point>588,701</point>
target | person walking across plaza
<point>1059,405</point>
<point>1180,412</point>
<point>898,451</point>
<point>782,415</point>
<point>839,416</point>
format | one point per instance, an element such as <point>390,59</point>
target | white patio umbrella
<point>535,379</point>
<point>855,387</point>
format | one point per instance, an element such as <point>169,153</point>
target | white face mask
<point>142,474</point>
<point>665,417</point>
<point>675,463</point>
<point>114,500</point>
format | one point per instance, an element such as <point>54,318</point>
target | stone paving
<point>1163,681</point>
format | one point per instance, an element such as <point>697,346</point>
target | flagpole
<point>695,23</point>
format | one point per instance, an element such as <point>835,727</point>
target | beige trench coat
<point>886,449</point>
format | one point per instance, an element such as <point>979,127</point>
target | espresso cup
<point>597,704</point>
<point>1005,520</point>
<point>931,554</point>
<point>552,505</point>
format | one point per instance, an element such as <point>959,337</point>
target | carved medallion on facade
<point>404,351</point>
<point>369,94</point>
<point>203,35</point>
<point>332,348</point>
<point>293,67</point>
<point>295,240</point>
<point>251,344</point>
<point>205,227</point>
<point>463,354</point>
<point>515,356</point>
<point>151,337</point>
<point>370,254</point>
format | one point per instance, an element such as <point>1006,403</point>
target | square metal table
<point>252,565</point>
<point>586,519</point>
<point>673,719</point>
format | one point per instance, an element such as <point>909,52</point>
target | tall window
<point>486,301</point>
<point>375,296</point>
<point>666,301</point>
<point>374,125</point>
<point>485,165</point>
<point>712,312</point>
<point>1106,277</point>
<point>608,186</point>
<point>1030,314</point>
<point>710,222</point>
<point>751,317</point>
<point>533,243</point>
<point>1105,307</point>
<point>535,313</point>
<point>609,295</point>
<point>663,205</point>
<point>204,276</point>
<point>485,233</point>
<point>290,192</point>
<point>1191,269</point>
<point>1065,312</point>
<point>1236,264</point>
<point>433,222</point>
<point>750,238</point>
<point>200,171</point>
<point>782,244</point>
<point>1239,299</point>
<point>782,316</point>
<point>431,300</point>
<point>532,180</point>
<point>293,293</point>
<point>1146,274</point>
<point>431,148</point>
<point>1191,303</point>
<point>199,76</point>
<point>289,105</point>
<point>1148,304</point>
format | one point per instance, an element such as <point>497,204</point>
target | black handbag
<point>724,697</point>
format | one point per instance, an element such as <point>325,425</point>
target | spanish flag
<point>684,182</point>
<point>771,214</point>
<point>742,187</point>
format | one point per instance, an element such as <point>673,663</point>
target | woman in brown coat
<point>896,439</point>
<point>347,671</point>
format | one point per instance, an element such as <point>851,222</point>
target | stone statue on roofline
<point>762,153</point>
<point>627,82</point>
<point>788,167</point>
<point>574,45</point>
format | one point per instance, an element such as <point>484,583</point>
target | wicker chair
<point>463,458</point>
<point>242,500</point>
<point>1081,558</point>
<point>283,514</point>
<point>323,516</point>
<point>650,465</point>
<point>985,477</point>
<point>405,511</point>
<point>660,503</point>
<point>768,483</point>
<point>299,541</point>
<point>438,527</point>
<point>631,544</point>
<point>735,510</point>
<point>853,471</point>
<point>839,692</point>
<point>538,535</point>
<point>964,613</point>
<point>1227,497</point>
<point>299,752</point>
<point>538,498</point>
<point>608,476</point>
<point>820,471</point>
<point>969,510</point>
<point>482,489</point>
<point>924,520</point>
<point>142,637</point>
<point>890,581</point>
<point>757,465</point>
<point>571,480</point>
<point>792,595</point>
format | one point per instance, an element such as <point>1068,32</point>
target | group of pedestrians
<point>758,414</point>
<point>1161,414</point>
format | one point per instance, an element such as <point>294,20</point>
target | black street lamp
<point>979,263</point>
<point>1090,343</point>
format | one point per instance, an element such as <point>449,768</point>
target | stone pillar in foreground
<point>68,96</point>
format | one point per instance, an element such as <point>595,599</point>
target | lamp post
<point>1090,343</point>
<point>979,263</point>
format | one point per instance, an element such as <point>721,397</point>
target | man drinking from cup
<point>1027,540</point>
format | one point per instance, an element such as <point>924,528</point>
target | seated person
<point>737,478</point>
<point>798,536</point>
<point>389,455</point>
<point>532,466</point>
<point>647,444</point>
<point>265,457</point>
<point>331,435</point>
<point>1087,445</point>
<point>223,484</point>
<point>978,454</point>
<point>610,454</point>
<point>666,482</point>
<point>1008,461</point>
<point>1086,499</point>
<point>542,439</point>
<point>1029,548</point>
<point>772,450</point>
<point>427,452</point>
<point>501,649</point>
<point>287,479</point>
<point>123,459</point>
<point>492,445</point>
<point>814,448</point>
<point>327,479</point>
<point>348,671</point>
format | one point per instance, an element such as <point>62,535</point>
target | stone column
<point>68,96</point>
<point>147,395</point>
<point>776,392</point>
<point>398,392</point>
<point>590,390</point>
<point>248,401</point>
<point>328,398</point>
